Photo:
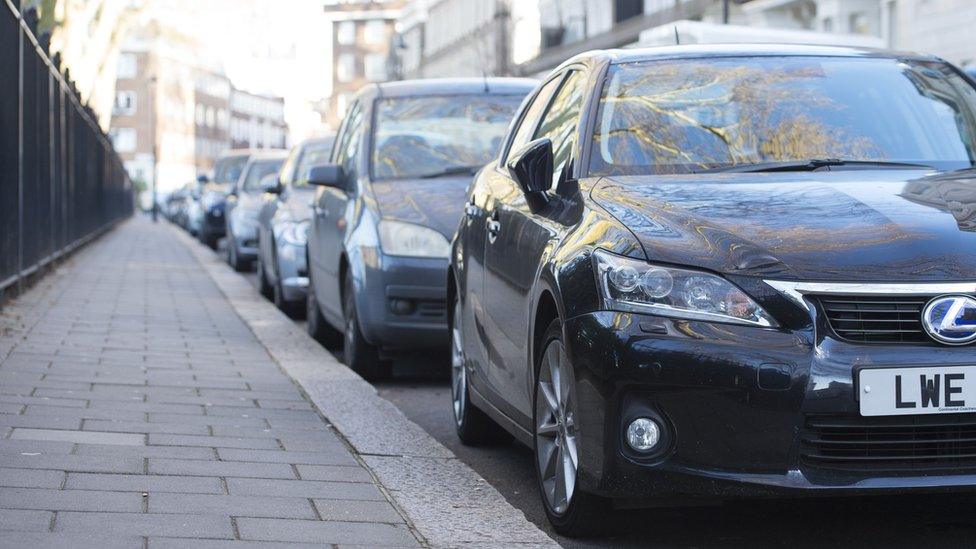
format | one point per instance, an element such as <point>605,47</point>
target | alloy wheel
<point>459,379</point>
<point>555,429</point>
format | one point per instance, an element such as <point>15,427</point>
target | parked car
<point>389,202</point>
<point>213,197</point>
<point>283,227</point>
<point>194,210</point>
<point>707,272</point>
<point>244,205</point>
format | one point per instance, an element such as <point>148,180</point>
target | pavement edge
<point>448,503</point>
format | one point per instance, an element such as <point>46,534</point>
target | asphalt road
<point>893,521</point>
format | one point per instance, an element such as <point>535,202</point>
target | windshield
<point>229,168</point>
<point>425,136</point>
<point>680,116</point>
<point>256,171</point>
<point>314,154</point>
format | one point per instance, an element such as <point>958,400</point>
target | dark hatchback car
<point>388,206</point>
<point>213,196</point>
<point>283,227</point>
<point>718,272</point>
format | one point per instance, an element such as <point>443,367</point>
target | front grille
<point>890,444</point>
<point>876,319</point>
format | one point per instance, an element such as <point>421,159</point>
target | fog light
<point>643,434</point>
<point>401,306</point>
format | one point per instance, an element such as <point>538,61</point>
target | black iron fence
<point>61,182</point>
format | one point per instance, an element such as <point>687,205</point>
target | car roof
<point>631,55</point>
<point>447,86</point>
<point>267,154</point>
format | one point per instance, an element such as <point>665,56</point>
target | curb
<point>448,503</point>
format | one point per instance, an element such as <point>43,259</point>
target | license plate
<point>913,391</point>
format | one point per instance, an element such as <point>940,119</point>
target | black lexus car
<point>725,271</point>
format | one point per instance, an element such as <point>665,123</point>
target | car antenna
<point>677,40</point>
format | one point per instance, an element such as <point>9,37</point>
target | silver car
<point>283,227</point>
<point>244,205</point>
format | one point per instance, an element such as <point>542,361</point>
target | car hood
<point>436,203</point>
<point>877,225</point>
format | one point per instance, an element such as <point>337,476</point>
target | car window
<point>313,154</point>
<point>347,150</point>
<point>533,112</point>
<point>256,171</point>
<point>288,168</point>
<point>228,169</point>
<point>660,117</point>
<point>427,136</point>
<point>561,122</point>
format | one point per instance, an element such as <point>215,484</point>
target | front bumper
<point>292,271</point>
<point>245,239</point>
<point>740,405</point>
<point>402,301</point>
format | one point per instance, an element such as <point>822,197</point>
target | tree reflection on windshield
<point>677,116</point>
<point>430,136</point>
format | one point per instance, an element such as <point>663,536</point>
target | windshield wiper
<point>810,165</point>
<point>452,170</point>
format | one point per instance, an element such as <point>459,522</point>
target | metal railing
<point>61,182</point>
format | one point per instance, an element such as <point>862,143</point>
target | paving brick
<point>209,420</point>
<point>144,427</point>
<point>380,535</point>
<point>174,452</point>
<point>89,437</point>
<point>18,519</point>
<point>90,464</point>
<point>357,511</point>
<point>138,524</point>
<point>220,468</point>
<point>11,408</point>
<point>74,540</point>
<point>304,488</point>
<point>280,456</point>
<point>214,442</point>
<point>43,422</point>
<point>235,506</point>
<point>85,413</point>
<point>31,478</point>
<point>70,500</point>
<point>144,483</point>
<point>337,473</point>
<point>169,543</point>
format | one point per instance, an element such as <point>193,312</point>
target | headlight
<point>407,239</point>
<point>637,286</point>
<point>295,234</point>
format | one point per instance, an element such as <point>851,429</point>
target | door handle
<point>470,210</point>
<point>493,226</point>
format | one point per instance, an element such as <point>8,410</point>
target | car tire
<point>263,285</point>
<point>572,513</point>
<point>358,354</point>
<point>473,426</point>
<point>315,323</point>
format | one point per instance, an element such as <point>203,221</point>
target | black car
<point>283,227</point>
<point>387,207</point>
<point>716,272</point>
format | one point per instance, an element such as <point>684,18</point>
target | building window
<point>127,67</point>
<point>211,117</point>
<point>124,139</point>
<point>859,23</point>
<point>346,33</point>
<point>346,67</point>
<point>342,103</point>
<point>125,103</point>
<point>828,24</point>
<point>375,32</point>
<point>374,67</point>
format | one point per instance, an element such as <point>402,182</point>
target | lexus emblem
<point>951,319</point>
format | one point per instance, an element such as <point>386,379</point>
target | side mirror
<point>327,175</point>
<point>270,184</point>
<point>203,179</point>
<point>532,168</point>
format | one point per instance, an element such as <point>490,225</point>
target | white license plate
<point>912,391</point>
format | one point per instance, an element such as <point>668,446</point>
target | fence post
<point>20,157</point>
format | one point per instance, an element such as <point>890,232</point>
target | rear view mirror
<point>327,175</point>
<point>270,184</point>
<point>532,168</point>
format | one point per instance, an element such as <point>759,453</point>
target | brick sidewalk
<point>136,407</point>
